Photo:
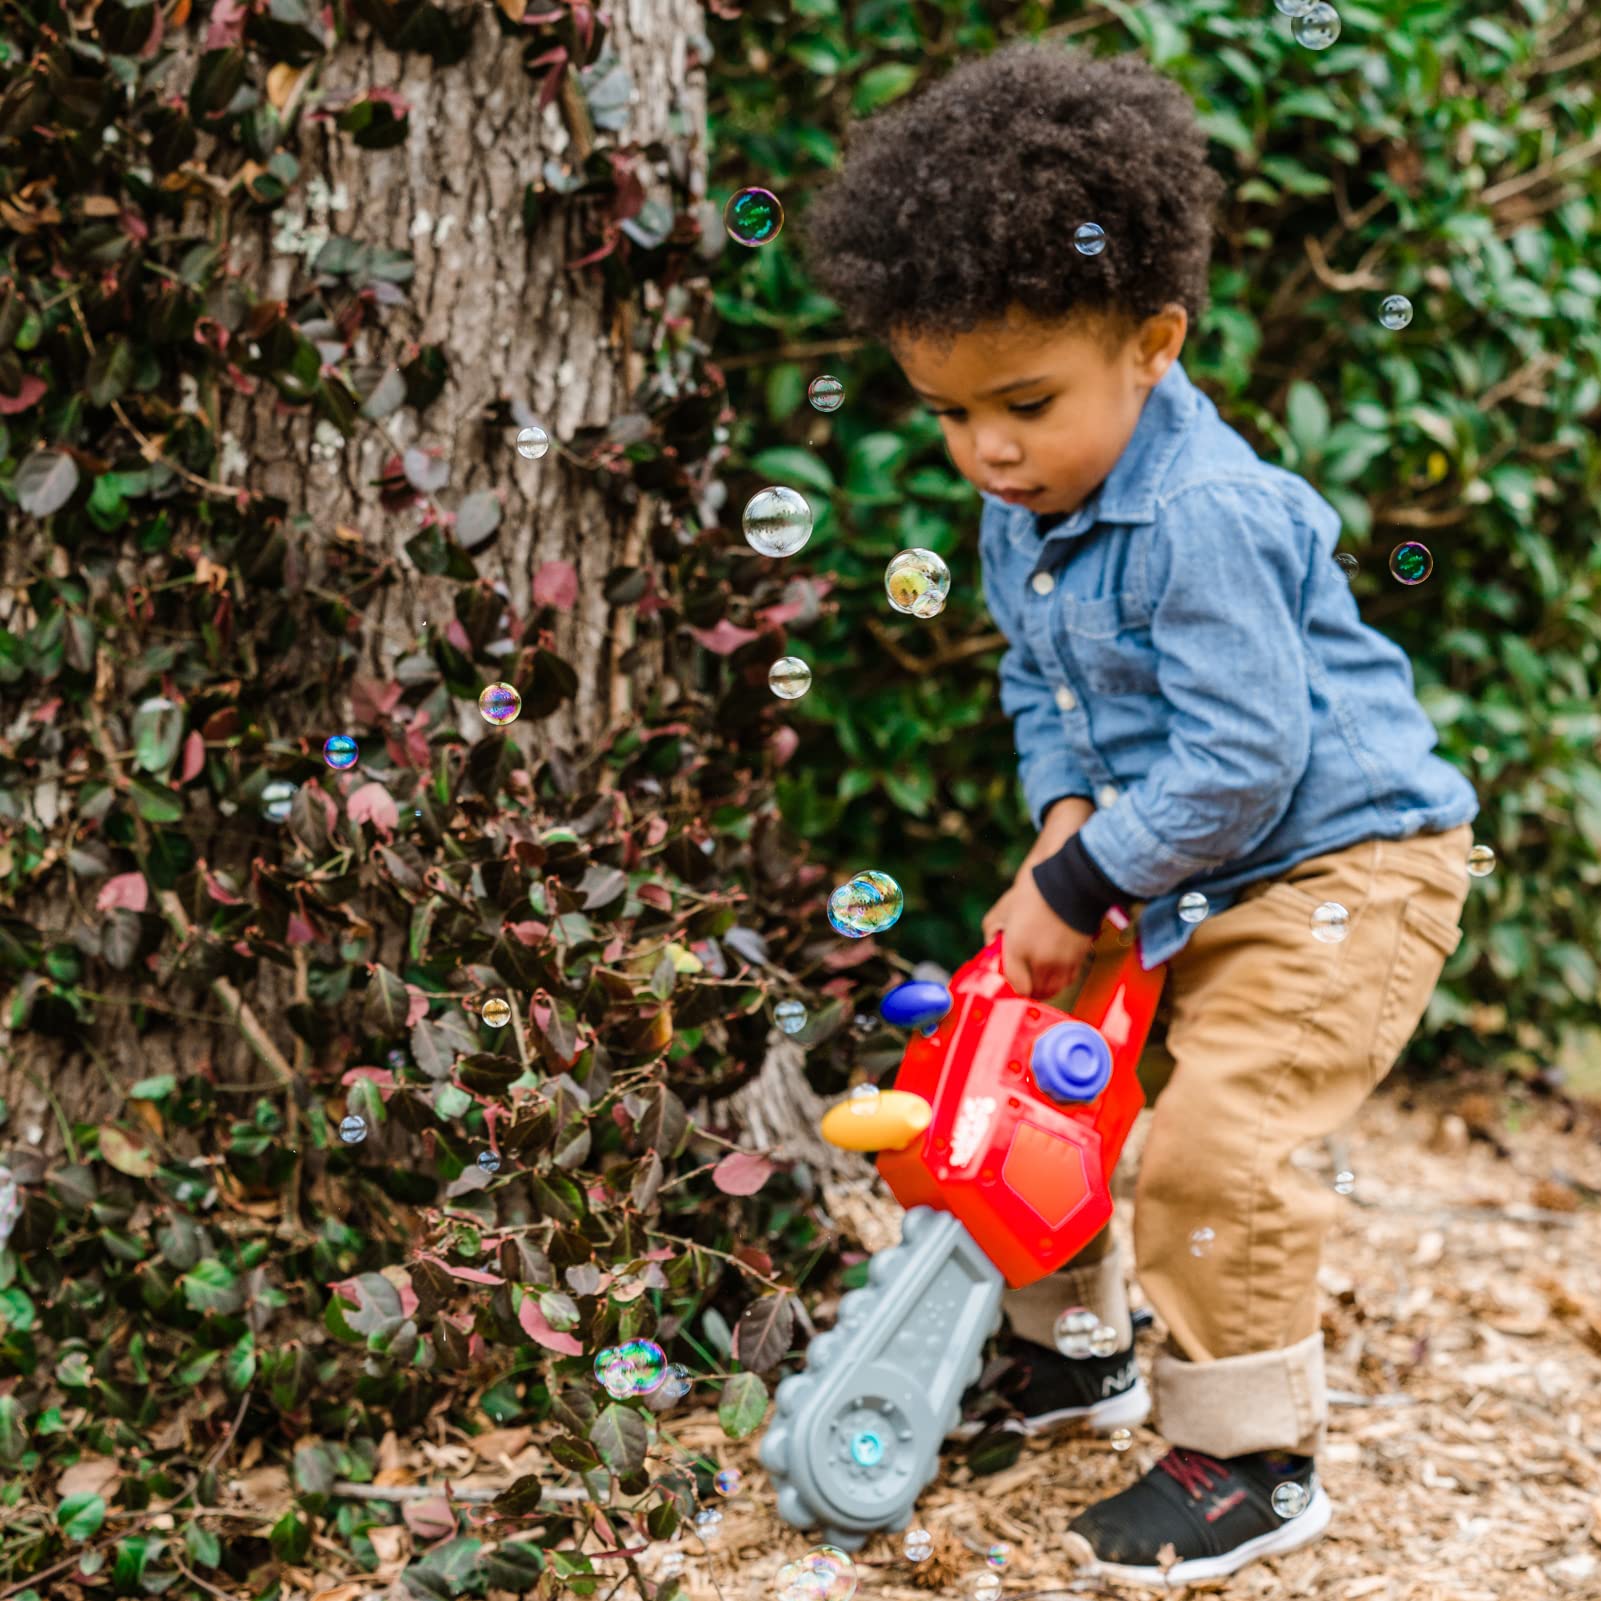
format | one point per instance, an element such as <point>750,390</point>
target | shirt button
<point>1105,795</point>
<point>1042,583</point>
<point>1066,699</point>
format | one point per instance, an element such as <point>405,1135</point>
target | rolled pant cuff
<point>1034,1309</point>
<point>1262,1401</point>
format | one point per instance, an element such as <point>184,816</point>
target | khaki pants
<point>1276,1039</point>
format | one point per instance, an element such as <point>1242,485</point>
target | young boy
<point>1203,724</point>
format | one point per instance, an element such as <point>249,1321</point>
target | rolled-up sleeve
<point>1046,767</point>
<point>1228,567</point>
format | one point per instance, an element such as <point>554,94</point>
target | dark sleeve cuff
<point>1075,888</point>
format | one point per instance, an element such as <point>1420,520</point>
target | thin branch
<point>1547,169</point>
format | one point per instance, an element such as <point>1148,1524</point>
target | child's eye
<point>1028,407</point>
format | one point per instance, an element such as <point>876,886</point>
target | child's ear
<point>1160,341</point>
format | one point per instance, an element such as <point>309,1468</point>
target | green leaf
<point>1307,415</point>
<point>154,803</point>
<point>110,370</point>
<point>387,1004</point>
<point>290,1538</point>
<point>81,1516</point>
<point>204,1548</point>
<point>879,85</point>
<point>619,1434</point>
<point>787,466</point>
<point>743,1405</point>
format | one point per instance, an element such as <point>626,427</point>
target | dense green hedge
<point>1446,151</point>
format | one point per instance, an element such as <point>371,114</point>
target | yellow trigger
<point>888,1121</point>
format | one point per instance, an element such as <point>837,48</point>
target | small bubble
<point>1294,8</point>
<point>677,1383</point>
<point>1104,1341</point>
<point>870,903</point>
<point>276,798</point>
<point>919,1545</point>
<point>672,1564</point>
<point>1201,1240</point>
<point>984,1586</point>
<point>753,217</point>
<point>340,751</point>
<point>709,1523</point>
<point>776,521</point>
<point>496,1011</point>
<point>1089,239</point>
<point>1121,1439</point>
<point>1396,312</point>
<point>917,582</point>
<point>635,1368</point>
<point>1344,1182</point>
<point>353,1130</point>
<point>789,678</point>
<point>1481,861</point>
<point>488,1161</point>
<point>1411,562</point>
<point>1330,922</point>
<point>500,704</point>
<point>790,1016</point>
<point>727,1481</point>
<point>1346,562</point>
<point>1193,907</point>
<point>1075,1328</point>
<point>396,1059</point>
<point>1317,27</point>
<point>864,1099</point>
<point>532,443</point>
<point>825,1573</point>
<point>825,393</point>
<point>998,1554</point>
<point>1291,1498</point>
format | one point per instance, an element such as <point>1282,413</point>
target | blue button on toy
<point>1071,1061</point>
<point>916,1004</point>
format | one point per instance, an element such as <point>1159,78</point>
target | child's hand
<point>1040,955</point>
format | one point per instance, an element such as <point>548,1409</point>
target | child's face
<point>1038,413</point>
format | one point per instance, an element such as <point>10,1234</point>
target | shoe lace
<point>1196,1472</point>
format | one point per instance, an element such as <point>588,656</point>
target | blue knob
<point>1071,1061</point>
<point>915,1004</point>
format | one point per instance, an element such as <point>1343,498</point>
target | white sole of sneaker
<point>1124,1411</point>
<point>1290,1535</point>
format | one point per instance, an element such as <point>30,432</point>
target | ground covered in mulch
<point>1463,1325</point>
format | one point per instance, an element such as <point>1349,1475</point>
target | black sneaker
<point>1215,1514</point>
<point>1048,1389</point>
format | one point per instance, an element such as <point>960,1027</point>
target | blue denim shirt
<point>1185,652</point>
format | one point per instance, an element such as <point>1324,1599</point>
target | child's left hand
<point>1040,954</point>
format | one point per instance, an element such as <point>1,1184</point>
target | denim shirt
<point>1185,651</point>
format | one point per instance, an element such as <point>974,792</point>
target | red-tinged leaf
<point>457,635</point>
<point>535,1326</point>
<point>299,931</point>
<point>529,933</point>
<point>418,1009</point>
<point>783,742</point>
<point>32,390</point>
<point>219,891</point>
<point>760,1261</point>
<point>556,584</point>
<point>656,895</point>
<point>127,890</point>
<point>194,757</point>
<point>762,1337</point>
<point>851,955</point>
<point>473,1275</point>
<point>371,701</point>
<point>725,638</point>
<point>429,1520</point>
<point>372,803</point>
<point>742,1173</point>
<point>381,1076</point>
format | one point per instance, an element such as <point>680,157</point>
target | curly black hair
<point>961,202</point>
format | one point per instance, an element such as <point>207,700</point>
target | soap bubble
<point>635,1368</point>
<point>1317,27</point>
<point>998,1554</point>
<point>1291,1498</point>
<point>790,1016</point>
<point>1411,562</point>
<point>709,1524</point>
<point>353,1130</point>
<point>917,582</point>
<point>753,217</point>
<point>277,797</point>
<point>825,393</point>
<point>340,751</point>
<point>1201,1241</point>
<point>1193,906</point>
<point>1121,1439</point>
<point>532,442</point>
<point>864,1099</point>
<point>870,903</point>
<point>1396,312</point>
<point>1089,239</point>
<point>776,521</point>
<point>671,1564</point>
<point>919,1545</point>
<point>1074,1328</point>
<point>1481,861</point>
<point>789,678</point>
<point>488,1161</point>
<point>496,1012</point>
<point>1104,1341</point>
<point>1330,922</point>
<point>984,1586</point>
<point>676,1383</point>
<point>727,1481</point>
<point>825,1573</point>
<point>500,704</point>
<point>1344,1181</point>
<point>396,1059</point>
<point>1346,562</point>
<point>1294,8</point>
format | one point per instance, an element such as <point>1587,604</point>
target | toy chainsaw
<point>999,1138</point>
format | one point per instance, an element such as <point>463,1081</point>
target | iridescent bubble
<point>917,582</point>
<point>396,1059</point>
<point>753,217</point>
<point>1346,562</point>
<point>676,1384</point>
<point>1073,1331</point>
<point>340,751</point>
<point>1317,27</point>
<point>1344,1181</point>
<point>825,393</point>
<point>789,678</point>
<point>532,442</point>
<point>790,1016</point>
<point>1089,239</point>
<point>870,903</point>
<point>353,1130</point>
<point>500,704</point>
<point>488,1161</point>
<point>1104,1341</point>
<point>727,1481</point>
<point>1481,861</point>
<point>635,1368</point>
<point>1291,1498</point>
<point>1396,312</point>
<point>1411,562</point>
<point>1294,8</point>
<point>709,1524</point>
<point>1201,1240</point>
<point>672,1564</point>
<point>918,1545</point>
<point>998,1554</point>
<point>776,521</point>
<point>825,1573</point>
<point>496,1011</point>
<point>1121,1439</point>
<point>1330,922</point>
<point>1193,906</point>
<point>864,1099</point>
<point>984,1586</point>
<point>277,796</point>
